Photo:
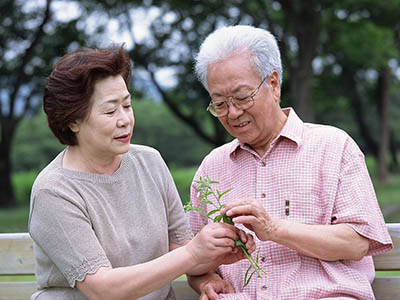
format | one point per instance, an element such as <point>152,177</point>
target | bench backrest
<point>16,258</point>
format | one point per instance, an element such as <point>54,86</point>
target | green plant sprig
<point>204,187</point>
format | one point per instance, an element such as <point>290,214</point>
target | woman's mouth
<point>125,138</point>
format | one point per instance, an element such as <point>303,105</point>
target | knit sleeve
<point>61,227</point>
<point>178,227</point>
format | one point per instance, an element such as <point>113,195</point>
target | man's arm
<point>326,242</point>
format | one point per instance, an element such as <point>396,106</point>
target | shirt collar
<point>292,130</point>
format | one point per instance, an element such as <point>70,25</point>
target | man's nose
<point>233,111</point>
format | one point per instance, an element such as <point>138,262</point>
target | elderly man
<point>302,188</point>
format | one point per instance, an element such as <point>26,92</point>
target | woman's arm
<point>214,241</point>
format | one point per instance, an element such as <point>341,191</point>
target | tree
<point>363,46</point>
<point>30,40</point>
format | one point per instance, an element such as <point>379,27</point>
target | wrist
<point>279,230</point>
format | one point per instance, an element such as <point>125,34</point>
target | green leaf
<point>217,218</point>
<point>212,212</point>
<point>227,219</point>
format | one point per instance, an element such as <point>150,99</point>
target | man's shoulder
<point>325,132</point>
<point>223,151</point>
<point>329,137</point>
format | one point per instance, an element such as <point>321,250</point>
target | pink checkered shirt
<point>322,172</point>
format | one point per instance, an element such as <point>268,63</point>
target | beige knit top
<point>81,221</point>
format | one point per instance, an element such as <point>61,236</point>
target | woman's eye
<point>110,112</point>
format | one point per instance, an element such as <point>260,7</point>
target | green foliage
<point>34,145</point>
<point>14,220</point>
<point>156,126</point>
<point>22,183</point>
<point>183,179</point>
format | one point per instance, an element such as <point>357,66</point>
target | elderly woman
<point>106,217</point>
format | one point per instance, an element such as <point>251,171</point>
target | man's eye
<point>219,104</point>
<point>242,98</point>
<point>110,112</point>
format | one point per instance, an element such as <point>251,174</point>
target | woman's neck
<point>78,160</point>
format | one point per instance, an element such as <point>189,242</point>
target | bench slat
<point>23,290</point>
<point>390,260</point>
<point>16,290</point>
<point>16,251</point>
<point>386,288</point>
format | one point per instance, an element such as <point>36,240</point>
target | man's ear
<point>74,126</point>
<point>274,82</point>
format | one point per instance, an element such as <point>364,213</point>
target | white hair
<point>229,40</point>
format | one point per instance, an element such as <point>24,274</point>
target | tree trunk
<point>304,20</point>
<point>394,166</point>
<point>383,104</point>
<point>301,94</point>
<point>6,191</point>
<point>348,79</point>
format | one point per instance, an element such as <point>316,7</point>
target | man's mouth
<point>243,124</point>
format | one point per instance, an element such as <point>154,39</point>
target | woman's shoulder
<point>140,152</point>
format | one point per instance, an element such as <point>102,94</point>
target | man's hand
<point>210,285</point>
<point>252,215</point>
<point>212,288</point>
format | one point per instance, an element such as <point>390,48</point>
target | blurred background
<point>341,67</point>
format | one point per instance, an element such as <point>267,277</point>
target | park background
<point>340,59</point>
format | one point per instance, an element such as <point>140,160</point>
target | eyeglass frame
<point>229,100</point>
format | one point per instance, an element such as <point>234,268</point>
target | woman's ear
<point>74,127</point>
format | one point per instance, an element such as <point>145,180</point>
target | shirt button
<point>263,164</point>
<point>264,287</point>
<point>263,195</point>
<point>263,259</point>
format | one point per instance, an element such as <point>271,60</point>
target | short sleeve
<point>356,203</point>
<point>61,227</point>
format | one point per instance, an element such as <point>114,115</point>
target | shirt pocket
<point>305,207</point>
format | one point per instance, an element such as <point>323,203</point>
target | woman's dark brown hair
<point>71,84</point>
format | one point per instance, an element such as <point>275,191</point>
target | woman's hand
<point>216,241</point>
<point>212,241</point>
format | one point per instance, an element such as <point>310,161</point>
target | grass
<point>14,220</point>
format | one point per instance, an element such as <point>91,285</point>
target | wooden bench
<point>16,258</point>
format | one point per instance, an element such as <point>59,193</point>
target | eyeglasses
<point>219,105</point>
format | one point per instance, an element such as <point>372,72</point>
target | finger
<point>245,209</point>
<point>228,288</point>
<point>227,232</point>
<point>251,245</point>
<point>203,296</point>
<point>237,202</point>
<point>251,220</point>
<point>243,236</point>
<point>224,243</point>
<point>210,291</point>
